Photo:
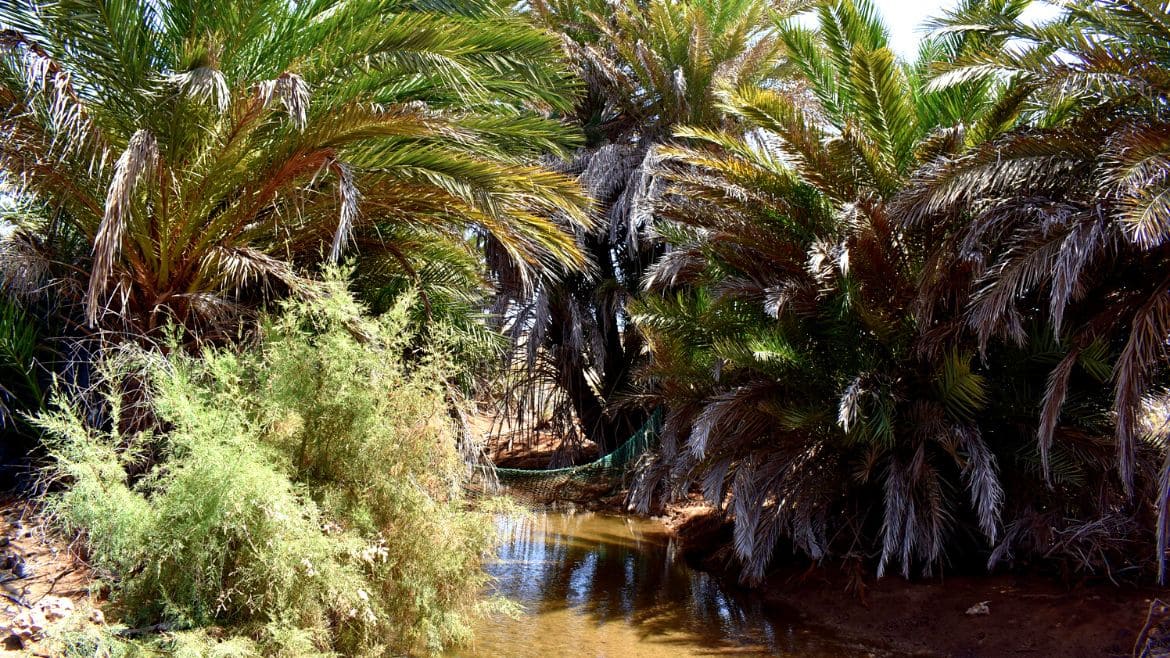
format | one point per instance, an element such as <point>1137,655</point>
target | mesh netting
<point>600,475</point>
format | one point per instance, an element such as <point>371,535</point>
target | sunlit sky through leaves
<point>905,18</point>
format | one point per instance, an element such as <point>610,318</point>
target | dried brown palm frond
<point>25,268</point>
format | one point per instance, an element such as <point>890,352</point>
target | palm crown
<point>204,150</point>
<point>1070,212</point>
<point>1067,215</point>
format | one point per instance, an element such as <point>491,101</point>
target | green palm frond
<point>962,391</point>
<point>20,343</point>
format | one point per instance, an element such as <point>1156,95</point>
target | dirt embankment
<point>46,588</point>
<point>996,615</point>
<point>542,452</point>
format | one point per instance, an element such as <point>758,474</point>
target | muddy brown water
<point>602,586</point>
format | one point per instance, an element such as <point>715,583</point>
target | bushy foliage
<point>306,493</point>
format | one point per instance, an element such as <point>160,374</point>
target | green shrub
<point>306,493</point>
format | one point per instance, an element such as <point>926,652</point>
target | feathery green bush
<point>305,493</point>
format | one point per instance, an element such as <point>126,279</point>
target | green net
<point>603,474</point>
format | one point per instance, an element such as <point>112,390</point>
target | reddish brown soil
<point>538,454</point>
<point>1028,615</point>
<point>39,573</point>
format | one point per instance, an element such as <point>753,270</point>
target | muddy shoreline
<point>1014,614</point>
<point>959,616</point>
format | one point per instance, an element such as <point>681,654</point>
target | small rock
<point>97,617</point>
<point>55,607</point>
<point>980,608</point>
<point>28,625</point>
<point>21,569</point>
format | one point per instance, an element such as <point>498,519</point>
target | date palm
<point>647,67</point>
<point>781,320</point>
<point>206,153</point>
<point>1069,215</point>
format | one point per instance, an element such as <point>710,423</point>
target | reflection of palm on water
<point>605,586</point>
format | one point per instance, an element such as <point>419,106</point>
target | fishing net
<point>596,477</point>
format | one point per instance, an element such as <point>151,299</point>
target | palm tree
<point>203,155</point>
<point>1068,216</point>
<point>647,68</point>
<point>782,323</point>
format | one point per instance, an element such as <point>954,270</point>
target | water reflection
<point>601,586</point>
